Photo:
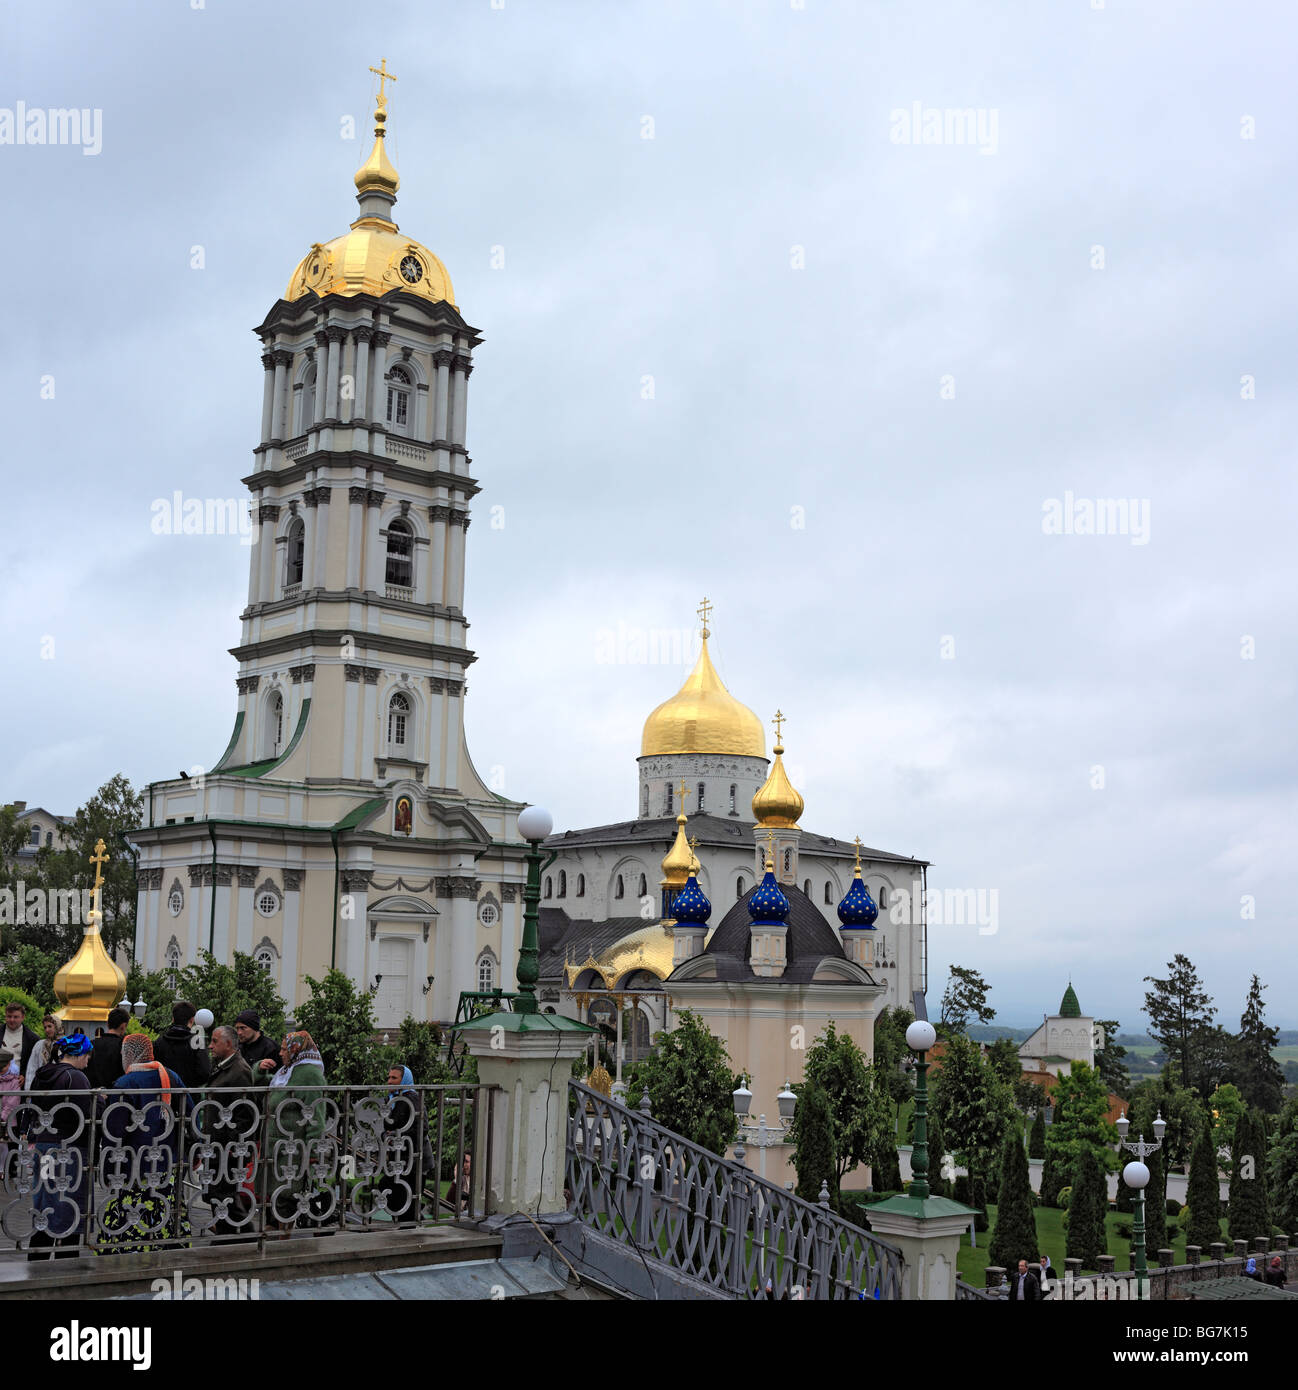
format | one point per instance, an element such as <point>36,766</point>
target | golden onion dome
<point>373,257</point>
<point>91,984</point>
<point>778,803</point>
<point>678,860</point>
<point>703,717</point>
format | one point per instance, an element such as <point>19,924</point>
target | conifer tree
<point>1037,1137</point>
<point>1247,1212</point>
<point>1203,1194</point>
<point>1015,1235</point>
<point>1155,1204</point>
<point>813,1156</point>
<point>1086,1235</point>
<point>937,1184</point>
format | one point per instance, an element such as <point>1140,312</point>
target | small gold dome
<point>679,859</point>
<point>778,803</point>
<point>703,717</point>
<point>91,984</point>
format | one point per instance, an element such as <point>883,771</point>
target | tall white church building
<point>344,824</point>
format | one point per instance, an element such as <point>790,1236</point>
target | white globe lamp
<point>535,823</point>
<point>920,1036</point>
<point>1136,1175</point>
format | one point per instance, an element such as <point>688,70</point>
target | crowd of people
<point>145,1095</point>
<point>1030,1283</point>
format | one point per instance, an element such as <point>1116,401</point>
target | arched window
<point>265,957</point>
<point>733,790</point>
<point>806,888</point>
<point>563,883</point>
<point>549,886</point>
<point>401,550</point>
<point>36,835</point>
<point>398,716</point>
<point>308,401</point>
<point>172,961</point>
<point>619,888</point>
<point>788,860</point>
<point>667,806</point>
<point>739,886</point>
<point>176,901</point>
<point>295,552</point>
<point>275,725</point>
<point>49,839</point>
<point>486,972</point>
<point>399,400</point>
<point>883,897</point>
<point>829,893</point>
<point>698,808</point>
<point>644,802</point>
<point>644,885</point>
<point>581,885</point>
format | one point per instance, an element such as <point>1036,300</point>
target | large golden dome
<point>703,717</point>
<point>373,257</point>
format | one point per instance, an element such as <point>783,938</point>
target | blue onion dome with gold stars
<point>857,910</point>
<point>766,903</point>
<point>692,905</point>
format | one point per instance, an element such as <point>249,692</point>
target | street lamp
<point>1136,1176</point>
<point>920,1037</point>
<point>534,825</point>
<point>140,1008</point>
<point>759,1134</point>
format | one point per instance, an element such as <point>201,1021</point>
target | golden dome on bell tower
<point>703,716</point>
<point>778,803</point>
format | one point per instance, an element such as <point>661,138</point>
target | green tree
<point>1180,1014</point>
<point>857,1095</point>
<point>30,969</point>
<point>419,1047</point>
<point>1180,1108</point>
<point>1081,1105</point>
<point>158,991</point>
<point>340,1019</point>
<point>1003,1058</point>
<point>938,1186</point>
<point>1108,1059</point>
<point>891,1056</point>
<point>1282,1168</point>
<point>228,990</point>
<point>1247,1209</point>
<point>965,997</point>
<point>1037,1138</point>
<point>1086,1209</point>
<point>1253,1065</point>
<point>973,1105</point>
<point>1203,1194</point>
<point>1226,1106</point>
<point>691,1084</point>
<point>814,1159</point>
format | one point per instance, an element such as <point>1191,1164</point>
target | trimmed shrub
<point>1015,1236</point>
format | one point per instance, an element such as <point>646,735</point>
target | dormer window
<point>399,384</point>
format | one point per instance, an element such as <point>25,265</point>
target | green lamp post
<point>1136,1176</point>
<point>920,1037</point>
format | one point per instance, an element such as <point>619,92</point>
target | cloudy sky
<point>754,337</point>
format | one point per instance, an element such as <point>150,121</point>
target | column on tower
<point>334,336</point>
<point>458,525</point>
<point>355,528</point>
<point>363,335</point>
<point>347,390</point>
<point>453,726</point>
<point>421,411</point>
<point>267,395</point>
<point>369,719</point>
<point>438,517</point>
<point>375,554</point>
<point>308,514</point>
<point>321,372</point>
<point>460,369</point>
<point>246,912</point>
<point>379,408</point>
<point>268,517</point>
<point>354,928</point>
<point>318,498</point>
<point>282,358</point>
<point>442,364</point>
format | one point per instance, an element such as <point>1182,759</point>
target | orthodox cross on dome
<point>384,76</point>
<point>694,842</point>
<point>778,721</point>
<point>770,851</point>
<point>857,842</point>
<point>704,611</point>
<point>99,858</point>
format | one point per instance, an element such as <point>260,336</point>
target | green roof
<point>1069,1007</point>
<point>906,1205</point>
<point>523,1023</point>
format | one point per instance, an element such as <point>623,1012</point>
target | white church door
<point>392,1003</point>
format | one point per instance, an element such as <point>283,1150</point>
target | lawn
<point>1050,1233</point>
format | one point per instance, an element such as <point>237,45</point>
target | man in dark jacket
<point>229,1070</point>
<point>260,1052</point>
<point>55,1134</point>
<point>1024,1287</point>
<point>18,1037</point>
<point>180,1048</point>
<point>106,1059</point>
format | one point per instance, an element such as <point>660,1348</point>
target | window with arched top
<point>829,893</point>
<point>733,790</point>
<point>398,416</point>
<point>549,886</point>
<point>308,400</point>
<point>172,960</point>
<point>295,552</point>
<point>36,835</point>
<point>401,554</point>
<point>806,888</point>
<point>698,806</point>
<point>49,839</point>
<point>739,887</point>
<point>581,885</point>
<point>619,888</point>
<point>398,719</point>
<point>265,957</point>
<point>644,885</point>
<point>883,897</point>
<point>563,883</point>
<point>275,725</point>
<point>176,901</point>
<point>486,972</point>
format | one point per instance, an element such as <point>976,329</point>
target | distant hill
<point>989,1032</point>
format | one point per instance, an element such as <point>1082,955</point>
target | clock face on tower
<point>411,271</point>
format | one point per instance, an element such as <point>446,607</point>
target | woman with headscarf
<point>297,1106</point>
<point>1251,1271</point>
<point>143,1171</point>
<point>1275,1272</point>
<point>407,1163</point>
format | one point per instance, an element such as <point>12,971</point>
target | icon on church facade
<point>404,813</point>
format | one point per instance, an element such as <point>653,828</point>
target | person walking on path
<point>1024,1287</point>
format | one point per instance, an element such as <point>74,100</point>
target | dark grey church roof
<point>712,831</point>
<point>560,935</point>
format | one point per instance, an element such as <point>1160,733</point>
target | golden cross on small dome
<point>384,76</point>
<point>857,843</point>
<point>770,851</point>
<point>99,858</point>
<point>779,722</point>
<point>704,611</point>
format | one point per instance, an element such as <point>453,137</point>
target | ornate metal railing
<point>675,1202</point>
<point>970,1293</point>
<point>121,1171</point>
